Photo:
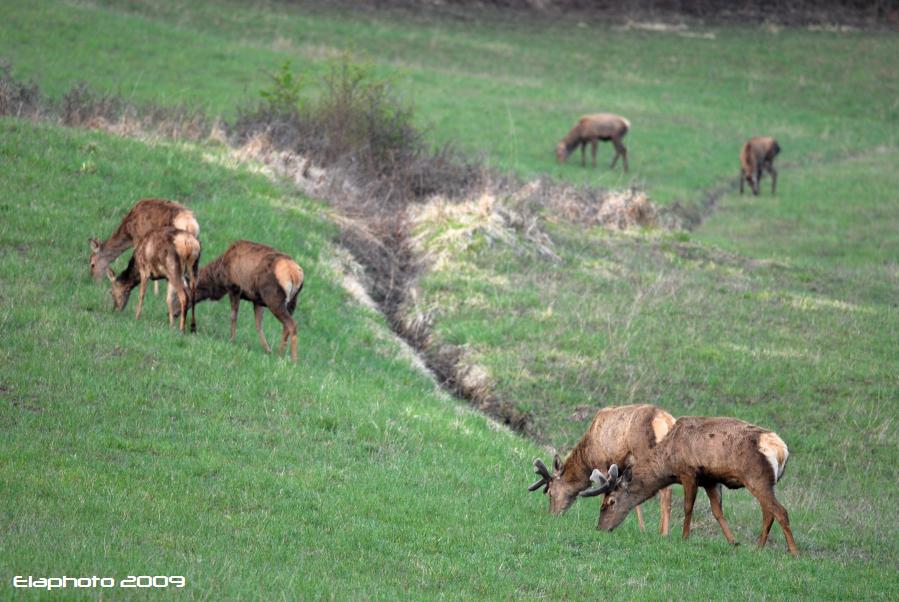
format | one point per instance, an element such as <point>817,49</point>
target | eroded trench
<point>384,255</point>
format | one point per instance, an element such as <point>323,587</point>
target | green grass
<point>129,449</point>
<point>509,90</point>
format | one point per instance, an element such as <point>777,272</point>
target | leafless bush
<point>359,128</point>
<point>17,98</point>
<point>82,107</point>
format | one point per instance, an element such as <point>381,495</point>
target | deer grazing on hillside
<point>592,128</point>
<point>147,215</point>
<point>758,154</point>
<point>618,435</point>
<point>707,453</point>
<point>261,275</point>
<point>167,253</point>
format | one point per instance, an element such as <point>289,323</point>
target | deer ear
<point>94,243</point>
<point>557,463</point>
<point>110,274</point>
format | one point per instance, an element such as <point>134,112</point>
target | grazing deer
<point>592,128</point>
<point>167,253</point>
<point>261,275</point>
<point>758,154</point>
<point>618,435</point>
<point>147,215</point>
<point>707,453</point>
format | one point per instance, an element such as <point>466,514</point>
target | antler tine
<point>543,473</point>
<point>603,484</point>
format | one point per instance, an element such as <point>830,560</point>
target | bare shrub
<point>18,99</point>
<point>360,128</point>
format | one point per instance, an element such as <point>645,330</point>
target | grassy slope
<point>129,448</point>
<point>509,90</point>
<point>804,345</point>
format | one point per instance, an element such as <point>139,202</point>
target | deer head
<point>98,263</point>
<point>561,492</point>
<point>120,291</point>
<point>561,152</point>
<point>619,500</point>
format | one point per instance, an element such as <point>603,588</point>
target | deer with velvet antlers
<point>619,435</point>
<point>707,453</point>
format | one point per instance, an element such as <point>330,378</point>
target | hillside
<point>135,450</point>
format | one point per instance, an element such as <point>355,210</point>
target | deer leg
<point>773,173</point>
<point>771,507</point>
<point>290,331</point>
<point>767,521</point>
<point>193,298</point>
<point>621,151</point>
<point>742,179</point>
<point>593,146</point>
<point>140,299</point>
<point>714,493</point>
<point>259,309</point>
<point>689,499</point>
<point>169,304</point>
<point>664,510</point>
<point>584,153</point>
<point>756,181</point>
<point>235,305</point>
<point>156,288</point>
<point>639,514</point>
<point>182,300</point>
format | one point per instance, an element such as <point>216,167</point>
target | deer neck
<point>212,282</point>
<point>576,468</point>
<point>653,474</point>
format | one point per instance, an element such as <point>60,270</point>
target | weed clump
<point>19,99</point>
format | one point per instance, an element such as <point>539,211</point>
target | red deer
<point>261,275</point>
<point>757,155</point>
<point>592,128</point>
<point>707,453</point>
<point>618,435</point>
<point>147,215</point>
<point>167,253</point>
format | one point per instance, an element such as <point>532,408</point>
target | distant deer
<point>592,128</point>
<point>758,154</point>
<point>618,435</point>
<point>707,453</point>
<point>261,275</point>
<point>145,216</point>
<point>167,253</point>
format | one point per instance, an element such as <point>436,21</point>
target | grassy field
<point>134,450</point>
<point>508,89</point>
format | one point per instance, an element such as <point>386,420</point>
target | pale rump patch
<point>661,424</point>
<point>187,247</point>
<point>185,221</point>
<point>289,275</point>
<point>773,448</point>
